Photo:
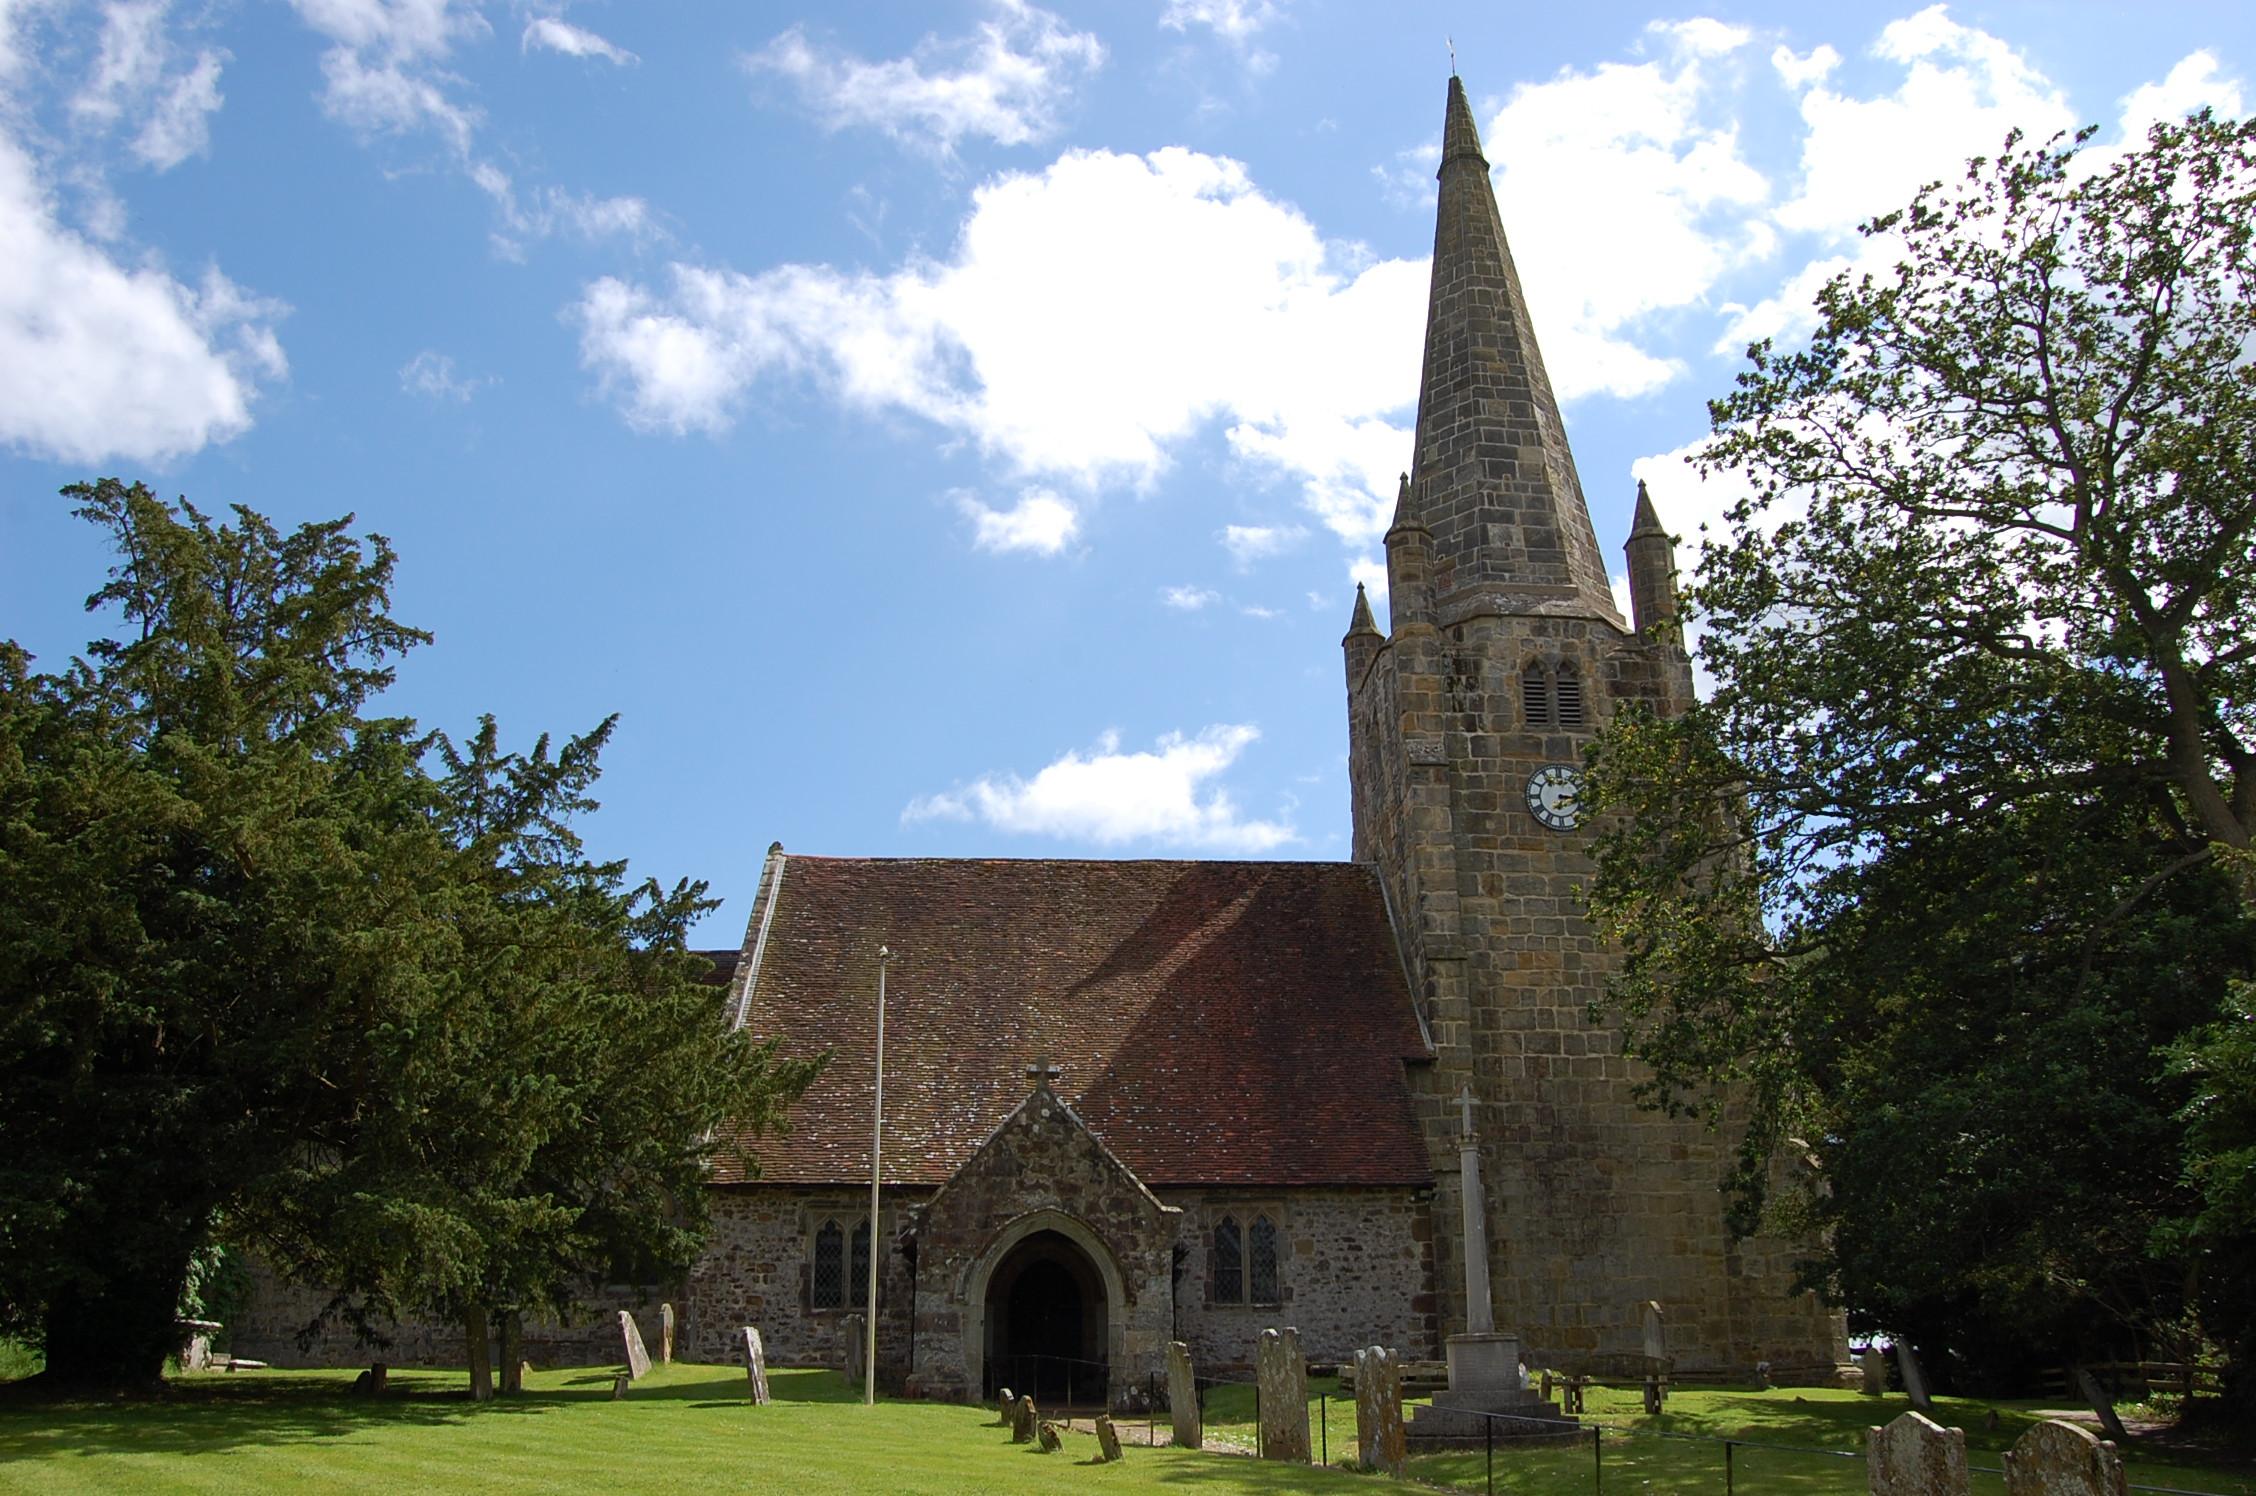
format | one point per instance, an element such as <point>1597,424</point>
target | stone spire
<point>1493,481</point>
<point>1652,567</point>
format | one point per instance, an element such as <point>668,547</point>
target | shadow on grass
<point>214,1412</point>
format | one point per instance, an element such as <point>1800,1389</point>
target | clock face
<point>1551,794</point>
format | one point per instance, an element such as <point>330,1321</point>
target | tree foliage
<point>271,962</point>
<point>1943,871</point>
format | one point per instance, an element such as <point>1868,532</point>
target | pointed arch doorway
<point>1047,1322</point>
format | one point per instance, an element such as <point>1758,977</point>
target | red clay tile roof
<point>1229,1023</point>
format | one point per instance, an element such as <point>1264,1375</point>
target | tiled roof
<point>724,966</point>
<point>1230,1023</point>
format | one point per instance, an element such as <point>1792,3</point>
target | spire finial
<point>1451,42</point>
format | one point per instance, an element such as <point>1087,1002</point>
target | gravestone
<point>1915,1382</point>
<point>855,1328</point>
<point>1914,1456</point>
<point>756,1367</point>
<point>619,1385</point>
<point>1874,1367</point>
<point>1283,1373</point>
<point>638,1359</point>
<point>1048,1439</point>
<point>379,1373</point>
<point>1108,1442</point>
<point>2060,1459</point>
<point>1022,1427</point>
<point>1656,1332</point>
<point>1381,1441</point>
<point>1005,1412</point>
<point>1182,1397</point>
<point>666,1334</point>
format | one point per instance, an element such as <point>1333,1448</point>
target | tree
<point>1947,863</point>
<point>249,933</point>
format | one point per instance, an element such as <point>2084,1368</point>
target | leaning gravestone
<point>1005,1412</point>
<point>1108,1441</point>
<point>666,1334</point>
<point>856,1330</point>
<point>1048,1442</point>
<point>1381,1441</point>
<point>1283,1373</point>
<point>1022,1427</point>
<point>756,1367</point>
<point>2060,1459</point>
<point>1915,1456</point>
<point>1182,1396</point>
<point>1915,1382</point>
<point>638,1359</point>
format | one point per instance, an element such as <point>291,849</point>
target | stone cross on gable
<point>1465,1101</point>
<point>1043,1072</point>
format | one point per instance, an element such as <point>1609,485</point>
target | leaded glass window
<point>1261,1261</point>
<point>828,1290</point>
<point>1229,1263</point>
<point>861,1263</point>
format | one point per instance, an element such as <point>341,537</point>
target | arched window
<point>1566,697</point>
<point>1229,1263</point>
<point>827,1290</point>
<point>1261,1262</point>
<point>860,1279</point>
<point>1535,696</point>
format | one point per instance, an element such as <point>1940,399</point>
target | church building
<point>1129,1102</point>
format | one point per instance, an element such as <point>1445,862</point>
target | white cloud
<point>1188,599</point>
<point>1250,543</point>
<point>133,78</point>
<point>554,34</point>
<point>1255,610</point>
<point>1235,21</point>
<point>2196,81</point>
<point>431,375</point>
<point>1005,82</point>
<point>1963,89</point>
<point>1110,798</point>
<point>1650,155</point>
<point>100,362</point>
<point>1039,522</point>
<point>1800,70</point>
<point>1220,305</point>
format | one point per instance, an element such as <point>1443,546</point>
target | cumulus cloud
<point>1040,522</point>
<point>554,34</point>
<point>1005,82</point>
<point>1188,599</point>
<point>1235,21</point>
<point>2197,81</point>
<point>1220,305</point>
<point>1250,543</point>
<point>1167,797</point>
<point>100,361</point>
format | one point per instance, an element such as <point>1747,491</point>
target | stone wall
<point>1354,1267</point>
<point>755,1271</point>
<point>275,1312</point>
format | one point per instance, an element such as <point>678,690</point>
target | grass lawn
<point>688,1428</point>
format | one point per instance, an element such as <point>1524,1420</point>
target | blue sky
<point>950,429</point>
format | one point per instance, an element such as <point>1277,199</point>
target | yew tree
<point>1939,882</point>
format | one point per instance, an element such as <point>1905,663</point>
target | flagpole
<point>877,1140</point>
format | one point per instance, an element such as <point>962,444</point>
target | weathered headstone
<point>619,1386</point>
<point>756,1367</point>
<point>1874,1367</point>
<point>2060,1459</point>
<point>666,1334</point>
<point>379,1374</point>
<point>1022,1427</point>
<point>1656,1332</point>
<point>1914,1456</point>
<point>1182,1397</point>
<point>1915,1382</point>
<point>855,1328</point>
<point>2101,1402</point>
<point>1381,1441</point>
<point>1048,1439</point>
<point>1006,1410</point>
<point>1283,1373</point>
<point>638,1359</point>
<point>1108,1441</point>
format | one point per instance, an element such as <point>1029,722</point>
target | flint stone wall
<point>756,1270</point>
<point>1354,1267</point>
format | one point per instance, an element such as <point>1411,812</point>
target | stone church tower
<point>1467,725</point>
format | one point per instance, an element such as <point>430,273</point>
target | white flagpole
<point>877,1140</point>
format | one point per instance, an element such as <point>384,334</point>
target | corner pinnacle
<point>1647,520</point>
<point>1361,621</point>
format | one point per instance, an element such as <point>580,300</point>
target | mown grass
<point>689,1428</point>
